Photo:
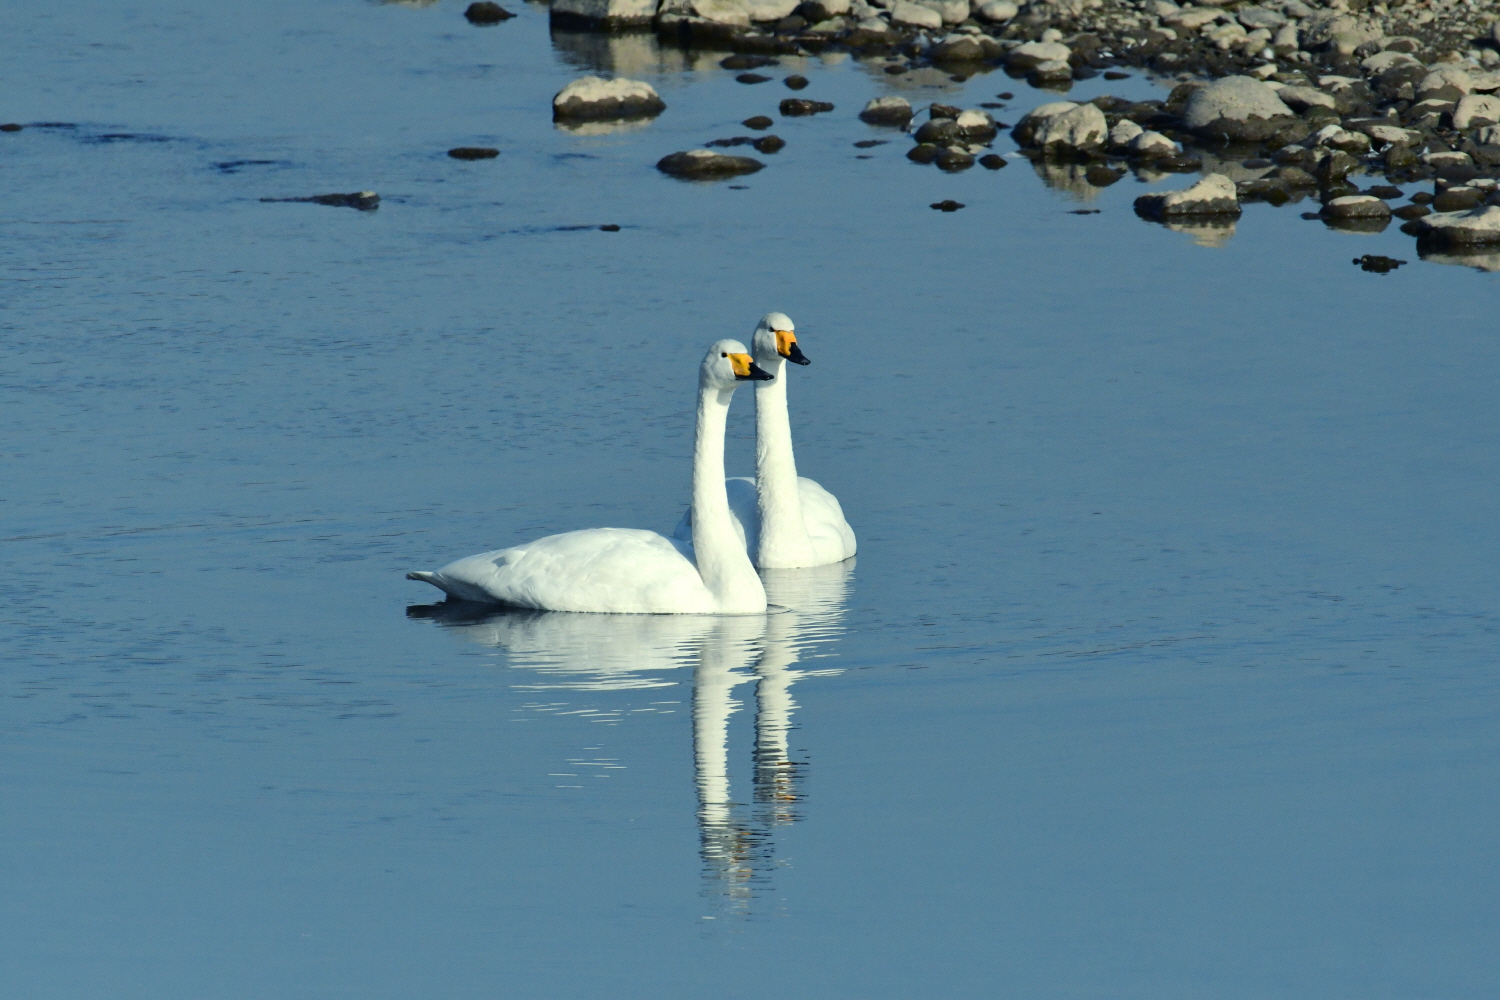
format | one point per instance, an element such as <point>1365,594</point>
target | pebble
<point>870,143</point>
<point>992,161</point>
<point>752,78</point>
<point>914,15</point>
<point>796,82</point>
<point>609,228</point>
<point>953,160</point>
<point>473,153</point>
<point>769,144</point>
<point>485,12</point>
<point>705,163</point>
<point>947,205</point>
<point>924,152</point>
<point>758,122</point>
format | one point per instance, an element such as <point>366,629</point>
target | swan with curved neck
<point>627,570</point>
<point>787,521</point>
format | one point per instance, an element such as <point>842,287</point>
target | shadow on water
<point>581,652</point>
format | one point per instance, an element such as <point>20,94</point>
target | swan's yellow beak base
<point>746,370</point>
<point>786,346</point>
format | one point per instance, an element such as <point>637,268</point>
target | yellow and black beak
<point>746,370</point>
<point>786,346</point>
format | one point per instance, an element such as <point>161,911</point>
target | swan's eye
<point>724,355</point>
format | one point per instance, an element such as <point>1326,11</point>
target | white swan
<point>626,570</point>
<point>787,521</point>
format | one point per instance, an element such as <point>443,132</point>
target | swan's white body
<point>786,521</point>
<point>630,571</point>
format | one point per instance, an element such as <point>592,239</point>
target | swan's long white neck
<point>717,550</point>
<point>783,532</point>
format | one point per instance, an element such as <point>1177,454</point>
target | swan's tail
<point>425,577</point>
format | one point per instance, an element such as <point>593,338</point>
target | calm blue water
<point>1166,668</point>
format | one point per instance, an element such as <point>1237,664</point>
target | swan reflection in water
<point>604,653</point>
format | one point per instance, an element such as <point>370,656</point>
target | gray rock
<point>1080,128</point>
<point>1260,17</point>
<point>1478,225</point>
<point>1237,107</point>
<point>997,11</point>
<point>1357,206</point>
<point>594,98</point>
<point>1033,54</point>
<point>1213,195</point>
<point>914,15</point>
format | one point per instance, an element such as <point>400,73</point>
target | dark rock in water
<point>887,111</point>
<point>473,153</point>
<point>1356,206</point>
<point>992,161</point>
<point>769,144</point>
<point>705,164</point>
<point>610,228</point>
<point>791,25</point>
<point>1421,198</point>
<point>739,140</point>
<point>1335,167</point>
<point>1457,200</point>
<point>365,201</point>
<point>485,12</point>
<point>943,111</point>
<point>794,107</point>
<point>938,130</point>
<point>10,127</point>
<point>1410,212</point>
<point>752,78</point>
<point>1385,191</point>
<point>748,62</point>
<point>954,160</point>
<point>870,143</point>
<point>1085,211</point>
<point>1114,74</point>
<point>1296,177</point>
<point>1098,175</point>
<point>1006,96</point>
<point>758,122</point>
<point>1256,164</point>
<point>593,98</point>
<point>895,70</point>
<point>1378,263</point>
<point>923,153</point>
<point>947,205</point>
<point>796,82</point>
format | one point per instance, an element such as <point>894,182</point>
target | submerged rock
<point>473,153</point>
<point>794,107</point>
<point>769,144</point>
<point>1213,195</point>
<point>592,98</point>
<point>758,122</point>
<point>365,201</point>
<point>947,205</point>
<point>702,164</point>
<point>485,12</point>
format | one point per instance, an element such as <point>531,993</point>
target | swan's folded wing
<point>830,533</point>
<point>622,570</point>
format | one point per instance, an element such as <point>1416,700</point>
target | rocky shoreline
<point>1283,100</point>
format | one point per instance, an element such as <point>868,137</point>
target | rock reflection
<point>1208,231</point>
<point>628,53</point>
<point>1481,259</point>
<point>611,653</point>
<point>1066,176</point>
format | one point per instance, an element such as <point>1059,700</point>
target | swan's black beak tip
<point>757,374</point>
<point>796,357</point>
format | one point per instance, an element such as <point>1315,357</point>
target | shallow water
<point>1166,666</point>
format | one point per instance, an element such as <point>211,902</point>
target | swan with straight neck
<point>627,570</point>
